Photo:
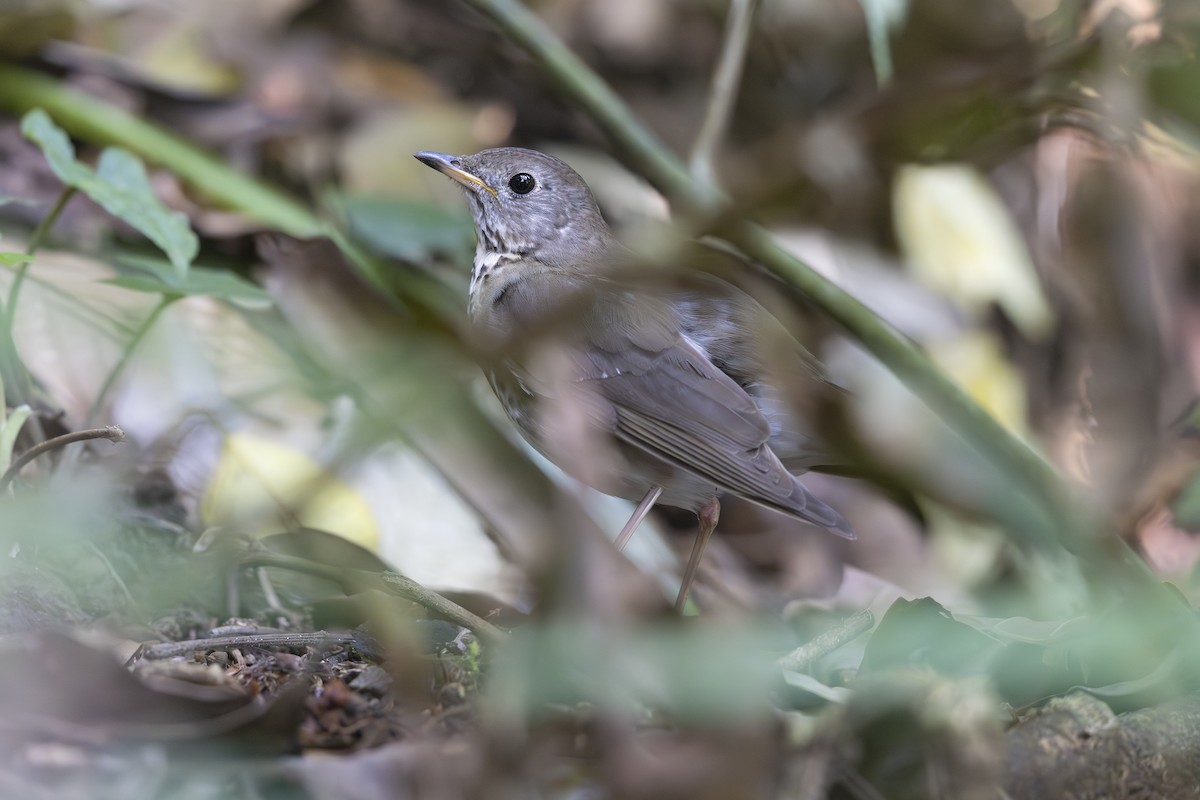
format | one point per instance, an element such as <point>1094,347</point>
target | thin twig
<point>288,641</point>
<point>802,658</point>
<point>110,432</point>
<point>388,581</point>
<point>722,96</point>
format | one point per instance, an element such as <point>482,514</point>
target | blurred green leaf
<point>700,673</point>
<point>8,199</point>
<point>1140,691</point>
<point>923,633</point>
<point>1186,506</point>
<point>1116,654</point>
<point>1029,631</point>
<point>56,146</point>
<point>8,433</point>
<point>119,185</point>
<point>14,259</point>
<point>405,229</point>
<point>157,277</point>
<point>1172,87</point>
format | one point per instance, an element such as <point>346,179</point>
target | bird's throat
<point>488,265</point>
<point>488,274</point>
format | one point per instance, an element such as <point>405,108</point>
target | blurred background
<point>273,312</point>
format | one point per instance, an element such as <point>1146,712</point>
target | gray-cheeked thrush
<point>669,378</point>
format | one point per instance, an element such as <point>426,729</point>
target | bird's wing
<point>635,374</point>
<point>667,398</point>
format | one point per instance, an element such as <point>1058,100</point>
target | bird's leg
<point>708,515</point>
<point>639,514</point>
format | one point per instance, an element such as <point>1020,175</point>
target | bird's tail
<point>805,505</point>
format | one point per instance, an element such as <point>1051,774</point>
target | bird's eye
<point>522,183</point>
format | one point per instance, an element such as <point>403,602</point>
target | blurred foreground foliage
<point>215,238</point>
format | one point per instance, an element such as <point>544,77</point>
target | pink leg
<point>639,514</point>
<point>708,515</point>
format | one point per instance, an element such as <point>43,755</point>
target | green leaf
<point>9,200</point>
<point>8,434</point>
<point>1116,654</point>
<point>135,202</point>
<point>1162,679</point>
<point>56,146</point>
<point>1171,85</point>
<point>119,185</point>
<point>407,230</point>
<point>1186,505</point>
<point>703,673</point>
<point>14,259</point>
<point>156,277</point>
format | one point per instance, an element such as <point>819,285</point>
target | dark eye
<point>522,183</point>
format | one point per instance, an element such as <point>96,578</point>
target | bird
<point>664,392</point>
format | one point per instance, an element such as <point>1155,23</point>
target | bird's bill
<point>444,164</point>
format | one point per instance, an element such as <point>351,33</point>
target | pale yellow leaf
<point>960,240</point>
<point>978,364</point>
<point>262,487</point>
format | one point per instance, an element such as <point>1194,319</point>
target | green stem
<point>84,116</point>
<point>633,140</point>
<point>39,233</point>
<point>94,120</point>
<point>1109,558</point>
<point>664,169</point>
<point>909,363</point>
<point>119,367</point>
<point>14,369</point>
<point>35,241</point>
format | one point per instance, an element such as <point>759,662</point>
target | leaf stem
<point>39,233</point>
<point>15,370</point>
<point>664,169</point>
<point>35,241</point>
<point>110,380</point>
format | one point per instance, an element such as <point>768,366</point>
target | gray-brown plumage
<point>677,380</point>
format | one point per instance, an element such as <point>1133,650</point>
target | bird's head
<point>525,203</point>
